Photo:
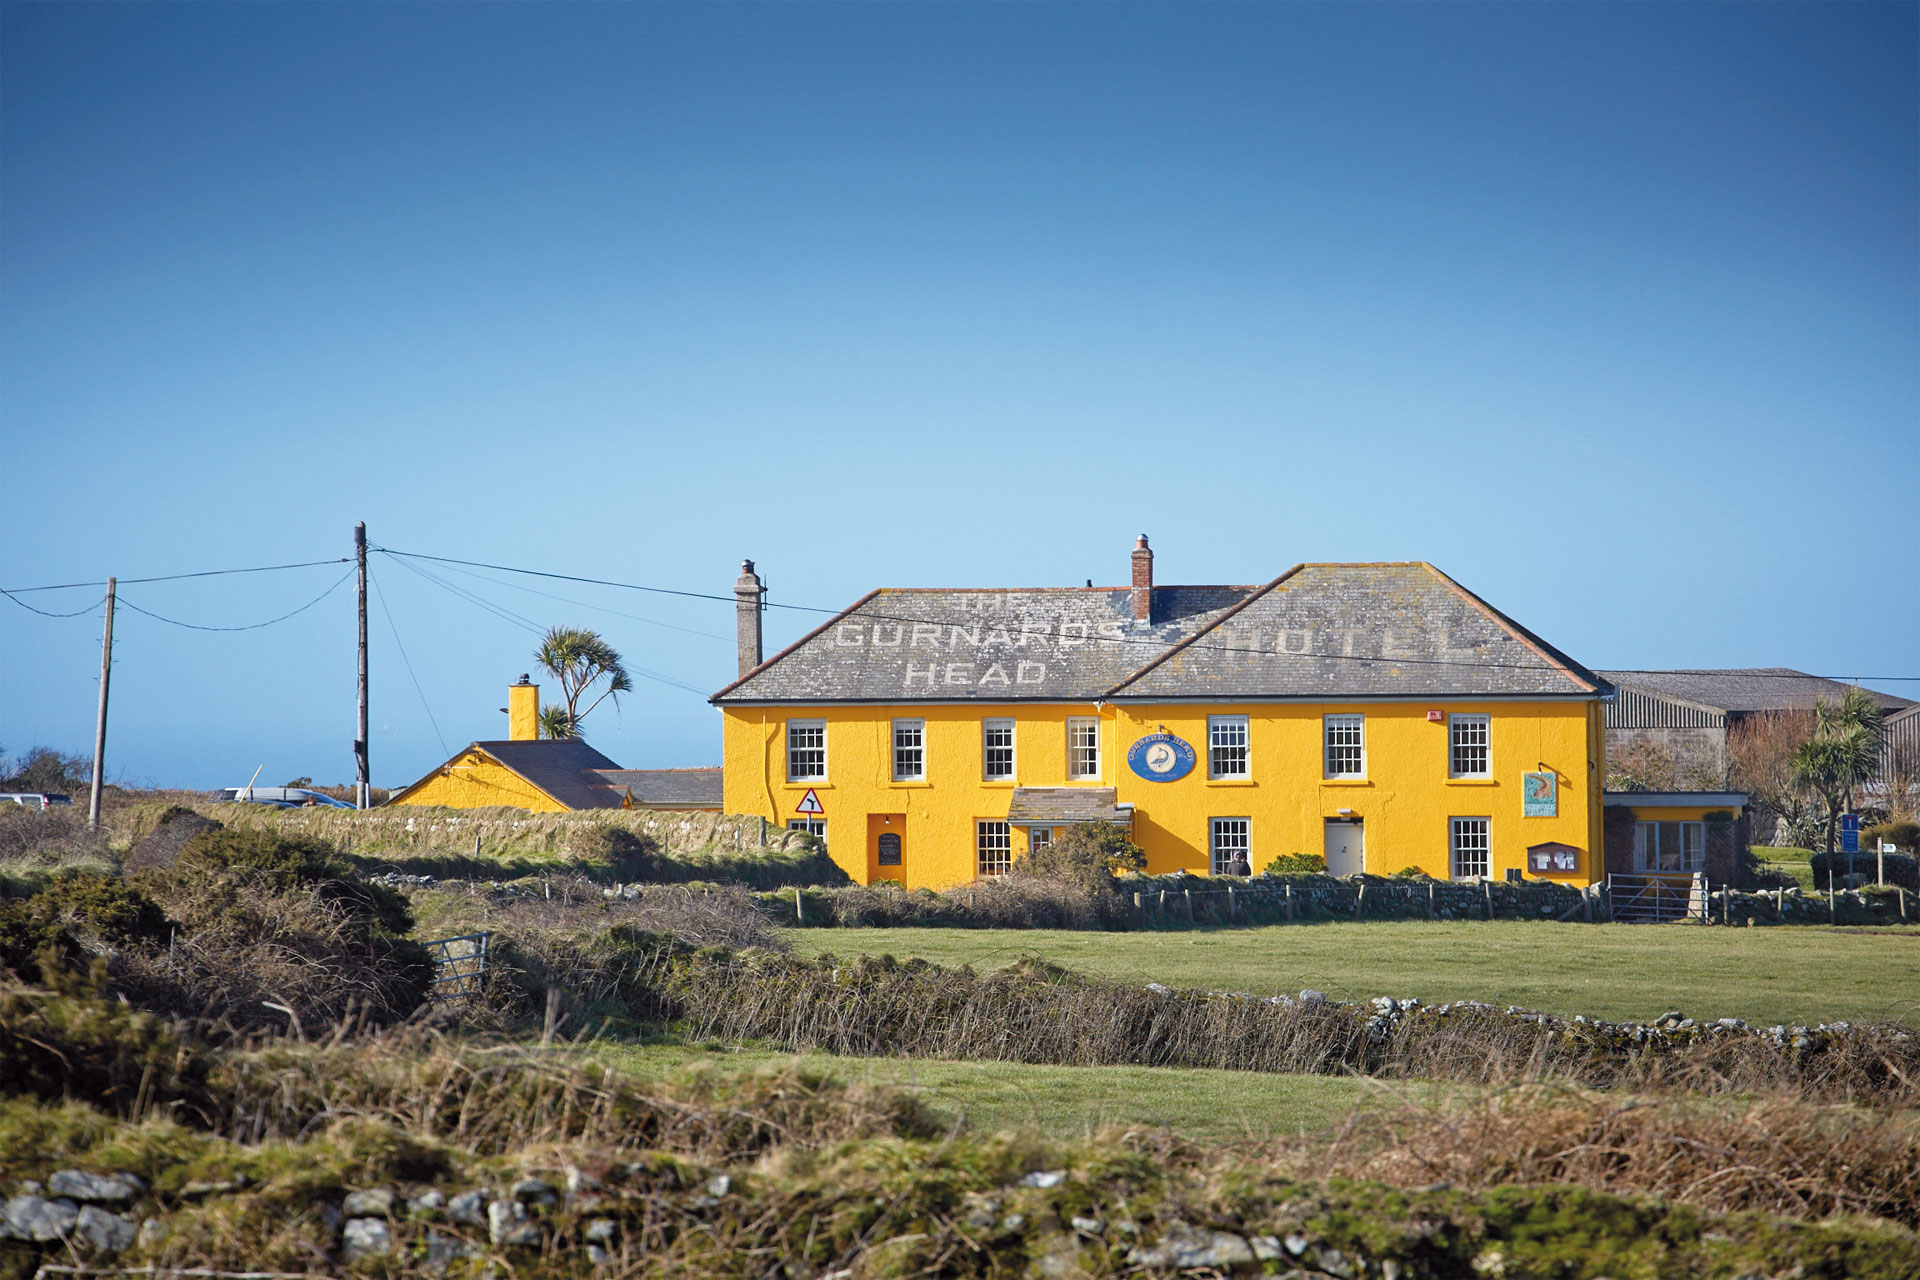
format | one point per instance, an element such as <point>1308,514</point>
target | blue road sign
<point>1849,833</point>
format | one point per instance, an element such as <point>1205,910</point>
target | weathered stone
<point>1086,1226</point>
<point>375,1202</point>
<point>365,1238</point>
<point>443,1251</point>
<point>469,1207</point>
<point>428,1204</point>
<point>1334,1263</point>
<point>105,1232</point>
<point>600,1230</point>
<point>153,1233</point>
<point>578,1182</point>
<point>1297,1244</point>
<point>507,1224</point>
<point>528,1190</point>
<point>1265,1248</point>
<point>95,1188</point>
<point>597,1256</point>
<point>1049,1178</point>
<point>29,1217</point>
<point>1312,998</point>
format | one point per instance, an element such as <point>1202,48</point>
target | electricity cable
<point>176,577</point>
<point>43,613</point>
<point>254,626</point>
<point>548,595</point>
<point>407,662</point>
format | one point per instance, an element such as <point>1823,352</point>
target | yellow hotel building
<point>1380,714</point>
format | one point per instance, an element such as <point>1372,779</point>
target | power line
<point>408,663</point>
<point>43,613</point>
<point>176,577</point>
<point>254,626</point>
<point>548,595</point>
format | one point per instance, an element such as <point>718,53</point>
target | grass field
<point>1795,862</point>
<point>1070,1102</point>
<point>1610,971</point>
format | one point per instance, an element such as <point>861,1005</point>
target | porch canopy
<point>1064,806</point>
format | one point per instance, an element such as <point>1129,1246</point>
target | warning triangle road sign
<point>810,803</point>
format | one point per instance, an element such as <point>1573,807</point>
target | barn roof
<point>558,767</point>
<point>663,788</point>
<point>1747,689</point>
<point>1319,630</point>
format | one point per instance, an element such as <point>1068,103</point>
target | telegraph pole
<point>100,722</point>
<point>363,789</point>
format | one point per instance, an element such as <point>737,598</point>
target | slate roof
<point>663,788</point>
<point>1747,689</point>
<point>558,767</point>
<point>1046,805</point>
<point>1317,631</point>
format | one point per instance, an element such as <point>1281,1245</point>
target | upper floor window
<point>1469,754</point>
<point>1669,846</point>
<point>996,749</point>
<point>1227,747</point>
<point>1346,741</point>
<point>1083,748</point>
<point>909,750</point>
<point>806,750</point>
<point>1472,846</point>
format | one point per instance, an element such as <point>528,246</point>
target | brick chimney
<point>1142,583</point>
<point>747,591</point>
<point>523,711</point>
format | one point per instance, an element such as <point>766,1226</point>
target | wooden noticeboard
<point>889,848</point>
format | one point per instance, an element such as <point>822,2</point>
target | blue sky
<point>1611,311</point>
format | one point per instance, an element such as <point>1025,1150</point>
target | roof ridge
<point>795,645</point>
<point>1257,594</point>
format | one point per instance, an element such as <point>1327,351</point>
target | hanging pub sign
<point>1540,795</point>
<point>1161,757</point>
<point>1553,859</point>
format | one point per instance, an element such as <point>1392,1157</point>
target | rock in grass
<point>375,1202</point>
<point>507,1224</point>
<point>93,1188</point>
<point>365,1238</point>
<point>31,1218</point>
<point>153,1233</point>
<point>535,1189</point>
<point>600,1230</point>
<point>1312,998</point>
<point>428,1204</point>
<point>105,1232</point>
<point>469,1207</point>
<point>1049,1178</point>
<point>444,1250</point>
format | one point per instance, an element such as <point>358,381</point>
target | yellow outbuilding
<point>1379,714</point>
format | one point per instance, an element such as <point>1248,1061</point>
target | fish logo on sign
<point>810,803</point>
<point>1161,757</point>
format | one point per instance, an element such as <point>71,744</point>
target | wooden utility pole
<point>100,721</point>
<point>363,788</point>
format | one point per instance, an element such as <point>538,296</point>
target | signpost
<point>1849,842</point>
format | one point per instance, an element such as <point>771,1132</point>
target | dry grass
<point>1030,1013</point>
<point>36,844</point>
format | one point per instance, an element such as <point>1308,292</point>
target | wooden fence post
<point>1188,895</point>
<point>1359,899</point>
<point>1486,887</point>
<point>1289,887</point>
<point>799,908</point>
<point>1429,899</point>
<point>1229,904</point>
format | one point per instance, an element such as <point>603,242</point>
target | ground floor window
<point>1039,837</point>
<point>812,826</point>
<point>1669,846</point>
<point>1232,848</point>
<point>1472,847</point>
<point>994,843</point>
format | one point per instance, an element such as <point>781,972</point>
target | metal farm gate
<point>459,966</point>
<point>1657,899</point>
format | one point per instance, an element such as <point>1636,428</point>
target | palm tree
<point>1842,755</point>
<point>579,659</point>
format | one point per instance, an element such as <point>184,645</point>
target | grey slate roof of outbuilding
<point>558,767</point>
<point>664,788</point>
<point>1029,806</point>
<point>1317,631</point>
<point>1747,689</point>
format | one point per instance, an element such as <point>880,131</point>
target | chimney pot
<point>1142,583</point>
<point>748,593</point>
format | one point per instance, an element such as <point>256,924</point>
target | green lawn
<point>1795,862</point>
<point>1067,1102</point>
<point>1800,974</point>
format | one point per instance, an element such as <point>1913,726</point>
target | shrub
<point>72,1042</point>
<point>1904,835</point>
<point>1089,854</point>
<point>75,914</point>
<point>1901,868</point>
<point>1297,864</point>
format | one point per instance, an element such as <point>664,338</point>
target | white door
<point>1346,848</point>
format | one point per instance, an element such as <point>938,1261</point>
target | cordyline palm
<point>579,659</point>
<point>1842,755</point>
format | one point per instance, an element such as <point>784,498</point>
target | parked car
<point>281,797</point>
<point>42,800</point>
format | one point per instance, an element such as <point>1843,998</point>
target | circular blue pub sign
<point>1161,757</point>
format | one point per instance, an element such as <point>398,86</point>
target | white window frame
<point>987,729</point>
<point>1039,837</point>
<point>1343,723</point>
<point>1226,837</point>
<point>793,751</point>
<point>1650,853</point>
<point>812,826</point>
<point>913,753</point>
<point>1472,837</point>
<point>1455,723</point>
<point>1229,748</point>
<point>992,846</point>
<point>1089,725</point>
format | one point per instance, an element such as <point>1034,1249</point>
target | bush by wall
<point>1902,869</point>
